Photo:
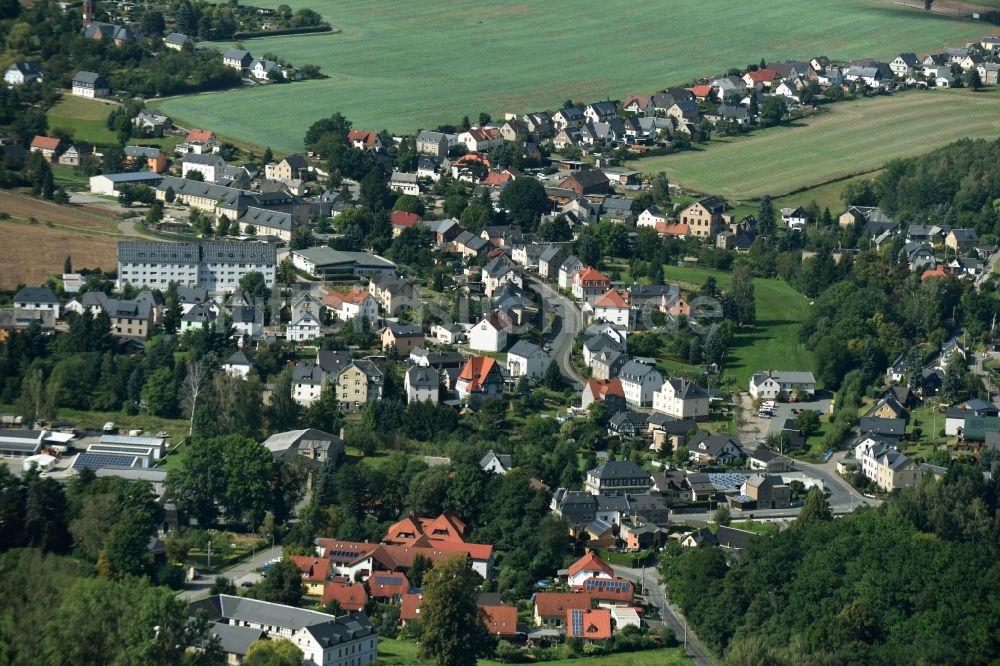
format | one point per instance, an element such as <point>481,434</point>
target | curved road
<point>571,323</point>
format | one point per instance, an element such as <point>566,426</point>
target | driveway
<point>656,594</point>
<point>561,338</point>
<point>199,588</point>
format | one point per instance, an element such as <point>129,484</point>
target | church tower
<point>88,12</point>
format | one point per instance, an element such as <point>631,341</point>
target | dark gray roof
<point>271,219</point>
<point>523,348</point>
<point>92,78</point>
<point>239,357</point>
<point>619,469</point>
<point>236,54</point>
<point>175,38</point>
<point>420,376</point>
<point>307,373</point>
<point>635,371</point>
<point>240,252</point>
<point>234,639</point>
<point>404,330</point>
<point>42,294</point>
<point>729,537</point>
<point>878,426</point>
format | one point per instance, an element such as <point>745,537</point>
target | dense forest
<point>911,582</point>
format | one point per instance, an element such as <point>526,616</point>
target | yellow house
<point>358,383</point>
<point>315,573</point>
<point>706,217</point>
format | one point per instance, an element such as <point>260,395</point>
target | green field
<point>774,342</point>
<point>403,65</point>
<point>397,652</point>
<point>848,138</point>
<point>85,118</point>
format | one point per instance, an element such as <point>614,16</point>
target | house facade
<point>681,399</point>
<point>639,381</point>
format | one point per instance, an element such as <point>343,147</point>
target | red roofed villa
<point>401,219</point>
<point>589,284</point>
<point>501,620</point>
<point>364,140</point>
<point>590,625</point>
<point>480,378</point>
<point>551,607</point>
<point>315,572</point>
<point>351,597</point>
<point>588,566</point>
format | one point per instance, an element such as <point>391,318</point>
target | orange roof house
<point>501,620</point>
<point>481,375</point>
<point>600,389</point>
<point>401,219</point>
<point>590,625</point>
<point>618,591</point>
<point>351,597</point>
<point>701,92</point>
<point>940,271</point>
<point>613,299</point>
<point>551,607</point>
<point>199,135</point>
<point>354,297</point>
<point>410,607</point>
<point>315,572</point>
<point>363,139</point>
<point>384,586</point>
<point>408,531</point>
<point>760,76</point>
<point>588,566</point>
<point>45,143</point>
<point>674,229</point>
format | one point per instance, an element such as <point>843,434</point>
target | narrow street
<point>649,579</point>
<point>571,323</point>
<point>199,588</point>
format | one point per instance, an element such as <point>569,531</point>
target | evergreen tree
<point>765,217</point>
<point>743,295</point>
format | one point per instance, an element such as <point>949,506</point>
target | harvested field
<point>31,252</point>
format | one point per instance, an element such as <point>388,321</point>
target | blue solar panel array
<point>607,585</point>
<point>387,580</point>
<point>727,479</point>
<point>577,618</point>
<point>115,448</point>
<point>343,554</point>
<point>103,460</point>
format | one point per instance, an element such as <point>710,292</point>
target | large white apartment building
<point>213,265</point>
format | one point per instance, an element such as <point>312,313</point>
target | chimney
<point>88,12</point>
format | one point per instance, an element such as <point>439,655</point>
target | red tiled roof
<point>590,562</point>
<point>401,218</point>
<point>701,91</point>
<point>555,604</point>
<point>354,297</point>
<point>45,142</point>
<point>204,136</point>
<point>589,274</point>
<point>314,569</point>
<point>494,179</point>
<point>351,597</point>
<point>596,624</point>
<point>410,608</point>
<point>500,620</point>
<point>762,75</point>
<point>675,229</point>
<point>358,551</point>
<point>386,585</point>
<point>472,157</point>
<point>495,252</point>
<point>642,100</point>
<point>366,138</point>
<point>476,369</point>
<point>600,389</point>
<point>415,530</point>
<point>940,271</point>
<point>613,299</point>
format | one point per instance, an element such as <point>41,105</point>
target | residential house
<point>872,76</point>
<point>37,299</point>
<point>588,625</point>
<point>587,567</point>
<point>405,183</point>
<point>176,41</point>
<point>549,261</point>
<point>681,399</point>
<point>767,492</point>
<point>359,383</point>
<point>237,59</point>
<point>153,159</point>
<point>401,219</point>
<point>764,460</point>
<point>705,217</point>
<point>526,359</point>
<point>201,316</point>
<point>961,240</point>
<point>617,477</point>
<point>496,463</point>
<point>151,122</point>
<point>239,364</point>
<point>403,338</point>
<point>481,377</point>
<point>422,384</point>
<point>794,219</point>
<point>498,271</point>
<point>639,381</point>
<point>600,112</point>
<point>608,391</point>
<point>568,270</point>
<point>355,303</point>
<point>489,334</point>
<point>989,73</point>
<point>432,143</point>
<point>613,307</point>
<point>708,448</point>
<point>395,294</point>
<point>48,146</point>
<point>589,284</point>
<point>480,139</point>
<point>651,217</point>
<point>308,380</point>
<point>551,608</point>
<point>571,116</point>
<point>905,64</point>
<point>75,153</point>
<point>586,183</point>
<point>21,72</point>
<point>889,468</point>
<point>90,85</point>
<point>775,384</point>
<point>351,597</point>
<point>605,357</point>
<point>628,424</point>
<point>315,572</point>
<point>365,140</point>
<point>304,328</point>
<point>639,104</point>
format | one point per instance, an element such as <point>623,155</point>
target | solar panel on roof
<point>577,617</point>
<point>387,580</point>
<point>117,448</point>
<point>102,460</point>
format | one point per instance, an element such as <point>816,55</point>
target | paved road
<point>242,571</point>
<point>656,594</point>
<point>571,325</point>
<point>988,269</point>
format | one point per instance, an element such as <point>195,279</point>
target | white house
<point>639,381</point>
<point>651,217</point>
<point>261,69</point>
<point>488,334</point>
<point>794,218</point>
<point>570,267</point>
<point>209,166</point>
<point>405,183</point>
<point>681,399</point>
<point>355,303</point>
<point>614,307</point>
<point>305,328</point>
<point>37,299</point>
<point>308,380</point>
<point>22,72</point>
<point>90,85</point>
<point>772,384</point>
<point>422,384</point>
<point>886,466</point>
<point>480,139</point>
<point>527,360</point>
<point>587,567</point>
<point>496,463</point>
<point>239,364</point>
<point>449,334</point>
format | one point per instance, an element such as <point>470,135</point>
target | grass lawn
<point>86,118</point>
<point>403,65</point>
<point>755,526</point>
<point>847,139</point>
<point>773,343</point>
<point>396,652</point>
